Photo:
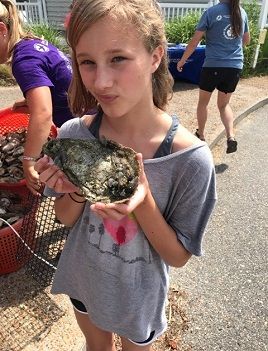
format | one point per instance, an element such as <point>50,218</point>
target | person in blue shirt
<point>225,27</point>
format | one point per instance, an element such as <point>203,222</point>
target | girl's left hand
<point>118,211</point>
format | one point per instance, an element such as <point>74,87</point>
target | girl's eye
<point>118,59</point>
<point>86,62</point>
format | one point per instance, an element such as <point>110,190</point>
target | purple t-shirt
<point>38,63</point>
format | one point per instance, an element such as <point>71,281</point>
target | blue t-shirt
<point>37,63</point>
<point>222,48</point>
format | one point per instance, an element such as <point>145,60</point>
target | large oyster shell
<point>104,170</point>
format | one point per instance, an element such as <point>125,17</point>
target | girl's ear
<point>3,29</point>
<point>157,57</point>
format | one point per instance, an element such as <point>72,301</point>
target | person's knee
<point>222,105</point>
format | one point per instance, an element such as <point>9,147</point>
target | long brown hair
<point>147,18</point>
<point>236,18</point>
<point>10,17</point>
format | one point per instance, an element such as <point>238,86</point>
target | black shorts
<point>225,79</point>
<point>79,306</point>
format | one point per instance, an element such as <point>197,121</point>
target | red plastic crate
<point>11,121</point>
<point>9,242</point>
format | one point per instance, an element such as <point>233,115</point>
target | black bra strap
<point>166,146</point>
<point>94,127</point>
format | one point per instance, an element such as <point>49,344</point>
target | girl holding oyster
<point>115,262</point>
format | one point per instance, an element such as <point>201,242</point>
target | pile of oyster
<point>11,208</point>
<point>11,152</point>
<point>104,170</point>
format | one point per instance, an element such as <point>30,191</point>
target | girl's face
<point>3,43</point>
<point>115,66</point>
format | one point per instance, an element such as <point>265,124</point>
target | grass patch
<point>6,77</point>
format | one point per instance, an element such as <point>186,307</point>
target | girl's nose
<point>103,79</point>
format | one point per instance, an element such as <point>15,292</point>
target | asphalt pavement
<point>227,288</point>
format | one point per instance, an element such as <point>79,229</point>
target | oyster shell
<point>104,170</point>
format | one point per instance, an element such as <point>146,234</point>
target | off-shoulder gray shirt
<point>110,265</point>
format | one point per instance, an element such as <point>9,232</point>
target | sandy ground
<point>31,319</point>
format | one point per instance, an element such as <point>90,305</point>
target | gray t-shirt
<point>223,49</point>
<point>110,265</point>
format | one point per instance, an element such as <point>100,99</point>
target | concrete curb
<point>238,119</point>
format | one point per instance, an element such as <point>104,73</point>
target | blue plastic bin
<point>192,68</point>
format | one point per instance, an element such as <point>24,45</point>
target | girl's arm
<point>69,207</point>
<point>160,235</point>
<point>40,107</point>
<point>190,49</point>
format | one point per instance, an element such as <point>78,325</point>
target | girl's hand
<point>53,177</point>
<point>118,211</point>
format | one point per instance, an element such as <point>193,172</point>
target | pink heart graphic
<point>121,231</point>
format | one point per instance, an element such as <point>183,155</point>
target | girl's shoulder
<point>77,127</point>
<point>183,139</point>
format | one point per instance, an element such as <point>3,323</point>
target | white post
<point>44,8</point>
<point>262,24</point>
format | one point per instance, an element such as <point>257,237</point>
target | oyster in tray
<point>104,170</point>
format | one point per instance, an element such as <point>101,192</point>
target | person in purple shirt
<point>43,74</point>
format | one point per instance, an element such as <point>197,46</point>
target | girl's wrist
<point>75,197</point>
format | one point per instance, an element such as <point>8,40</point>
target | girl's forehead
<point>115,24</point>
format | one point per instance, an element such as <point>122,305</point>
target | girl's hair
<point>10,17</point>
<point>146,16</point>
<point>236,18</point>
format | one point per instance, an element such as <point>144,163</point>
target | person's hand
<point>31,177</point>
<point>118,211</point>
<point>53,177</point>
<point>180,65</point>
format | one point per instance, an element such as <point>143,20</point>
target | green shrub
<point>181,30</point>
<point>48,32</point>
<point>253,11</point>
<point>265,47</point>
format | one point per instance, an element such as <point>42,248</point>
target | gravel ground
<point>33,319</point>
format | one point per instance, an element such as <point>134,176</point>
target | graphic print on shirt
<point>42,46</point>
<point>122,239</point>
<point>228,32</point>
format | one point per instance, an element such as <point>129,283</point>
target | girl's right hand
<point>53,177</point>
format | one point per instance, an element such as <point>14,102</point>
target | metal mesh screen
<point>47,242</point>
<point>27,312</point>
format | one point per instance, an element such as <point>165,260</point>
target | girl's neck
<point>133,129</point>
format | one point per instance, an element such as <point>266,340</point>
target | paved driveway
<point>227,288</point>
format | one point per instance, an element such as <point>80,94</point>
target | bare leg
<point>202,111</point>
<point>226,113</point>
<point>129,346</point>
<point>96,338</point>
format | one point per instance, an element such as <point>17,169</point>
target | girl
<point>225,26</point>
<point>116,260</point>
<point>43,74</point>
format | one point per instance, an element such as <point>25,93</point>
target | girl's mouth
<point>106,98</point>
